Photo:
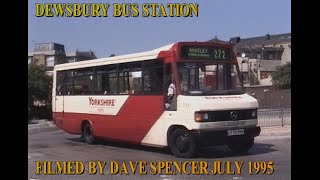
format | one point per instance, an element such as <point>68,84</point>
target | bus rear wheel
<point>242,146</point>
<point>182,144</point>
<point>87,134</point>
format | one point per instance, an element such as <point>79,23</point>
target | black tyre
<point>87,134</point>
<point>182,144</point>
<point>242,146</point>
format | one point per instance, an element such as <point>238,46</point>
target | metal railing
<point>274,117</point>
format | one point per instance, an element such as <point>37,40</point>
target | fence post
<point>281,111</point>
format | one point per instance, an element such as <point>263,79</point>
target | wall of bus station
<point>270,97</point>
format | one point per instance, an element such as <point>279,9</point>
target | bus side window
<point>113,83</point>
<point>157,80</point>
<point>59,83</point>
<point>153,78</point>
<point>59,90</point>
<point>83,81</point>
<point>85,90</point>
<point>135,78</point>
<point>101,80</point>
<point>68,89</point>
<point>123,82</point>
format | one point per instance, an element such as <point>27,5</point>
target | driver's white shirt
<point>171,89</point>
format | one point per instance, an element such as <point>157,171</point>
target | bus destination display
<point>205,53</point>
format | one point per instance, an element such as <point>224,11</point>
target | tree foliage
<point>39,87</point>
<point>282,76</point>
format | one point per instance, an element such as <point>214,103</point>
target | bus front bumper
<point>222,137</point>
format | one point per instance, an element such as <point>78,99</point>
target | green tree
<point>281,78</point>
<point>39,88</point>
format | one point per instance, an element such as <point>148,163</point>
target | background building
<point>50,54</point>
<point>80,56</point>
<point>261,55</point>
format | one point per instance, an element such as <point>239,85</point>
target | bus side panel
<point>133,121</point>
<point>71,122</point>
<point>58,113</point>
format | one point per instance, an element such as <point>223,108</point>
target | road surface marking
<point>165,177</point>
<point>273,137</point>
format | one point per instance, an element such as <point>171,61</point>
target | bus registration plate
<point>235,132</point>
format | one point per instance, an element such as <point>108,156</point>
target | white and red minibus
<point>124,98</point>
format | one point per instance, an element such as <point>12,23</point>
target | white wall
<point>286,55</point>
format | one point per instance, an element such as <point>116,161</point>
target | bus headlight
<point>205,116</point>
<point>254,114</point>
<point>200,117</point>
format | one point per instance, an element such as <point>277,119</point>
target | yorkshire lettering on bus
<point>101,102</point>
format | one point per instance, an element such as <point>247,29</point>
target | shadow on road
<point>123,145</point>
<point>224,152</point>
<point>208,152</point>
<point>32,122</point>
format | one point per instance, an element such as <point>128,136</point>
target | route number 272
<point>219,54</point>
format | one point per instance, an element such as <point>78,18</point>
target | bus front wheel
<point>182,144</point>
<point>87,134</point>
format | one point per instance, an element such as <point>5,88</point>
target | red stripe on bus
<point>131,124</point>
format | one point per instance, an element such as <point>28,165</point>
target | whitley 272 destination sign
<point>205,53</point>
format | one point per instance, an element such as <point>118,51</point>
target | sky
<point>125,35</point>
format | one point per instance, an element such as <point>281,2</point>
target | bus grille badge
<point>233,115</point>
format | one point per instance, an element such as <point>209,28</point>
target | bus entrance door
<point>59,109</point>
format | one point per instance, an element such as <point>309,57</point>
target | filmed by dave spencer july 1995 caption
<point>154,167</point>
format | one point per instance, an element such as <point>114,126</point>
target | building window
<point>49,73</point>
<point>259,56</point>
<point>29,60</point>
<point>71,59</point>
<point>50,61</point>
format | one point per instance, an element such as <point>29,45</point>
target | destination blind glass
<point>205,53</point>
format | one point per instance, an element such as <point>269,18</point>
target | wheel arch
<point>172,128</point>
<point>84,122</point>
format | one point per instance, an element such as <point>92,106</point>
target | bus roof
<point>147,55</point>
<point>143,56</point>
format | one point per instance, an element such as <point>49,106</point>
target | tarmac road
<point>52,144</point>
